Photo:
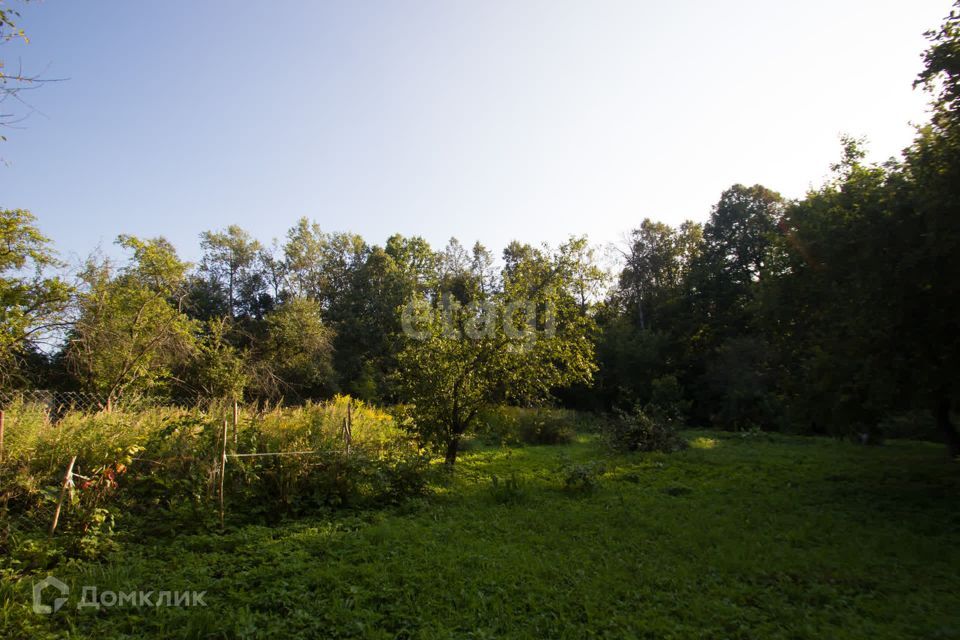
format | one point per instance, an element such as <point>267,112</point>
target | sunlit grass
<point>704,443</point>
<point>778,537</point>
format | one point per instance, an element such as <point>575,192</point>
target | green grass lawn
<point>735,537</point>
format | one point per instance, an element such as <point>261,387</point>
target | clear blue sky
<point>487,120</point>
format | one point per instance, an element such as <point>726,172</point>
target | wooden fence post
<point>223,469</point>
<point>64,488</point>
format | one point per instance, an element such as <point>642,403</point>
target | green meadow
<point>738,536</point>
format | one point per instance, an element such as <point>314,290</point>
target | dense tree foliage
<point>485,339</point>
<point>131,331</point>
<point>830,314</point>
<point>31,299</point>
<point>834,313</point>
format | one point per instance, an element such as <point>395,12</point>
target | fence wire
<point>55,404</point>
<point>51,403</point>
<point>35,505</point>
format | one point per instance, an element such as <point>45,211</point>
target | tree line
<point>832,313</point>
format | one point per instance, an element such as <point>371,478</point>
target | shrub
<point>515,425</point>
<point>638,431</point>
<point>147,470</point>
<point>499,426</point>
<point>544,426</point>
<point>402,477</point>
<point>582,477</point>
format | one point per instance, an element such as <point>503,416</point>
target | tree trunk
<point>452,448</point>
<point>945,425</point>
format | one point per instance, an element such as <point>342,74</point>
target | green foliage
<point>638,431</point>
<point>32,301</point>
<point>667,400</point>
<point>149,471</point>
<point>658,263</point>
<point>97,538</point>
<point>742,383</point>
<point>232,276</point>
<point>941,73</point>
<point>130,332</point>
<point>515,425</point>
<point>781,537</point>
<point>499,426</point>
<point>295,357</point>
<point>828,314</point>
<point>582,477</point>
<point>477,346</point>
<point>545,427</point>
<point>220,370</point>
<point>644,317</point>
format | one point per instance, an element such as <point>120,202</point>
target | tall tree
<point>303,252</point>
<point>342,256</point>
<point>293,358</point>
<point>230,264</point>
<point>130,331</point>
<point>578,261</point>
<point>32,301</point>
<point>932,258</point>
<point>519,343</point>
<point>737,241</point>
<point>275,272</point>
<point>828,309</point>
<point>642,325</point>
<point>369,343</point>
<point>656,266</point>
<point>416,262</point>
<point>456,274</point>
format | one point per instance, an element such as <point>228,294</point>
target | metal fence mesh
<point>51,403</point>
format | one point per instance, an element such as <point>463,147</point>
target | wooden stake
<point>67,486</point>
<point>348,432</point>
<point>236,420</point>
<point>223,469</point>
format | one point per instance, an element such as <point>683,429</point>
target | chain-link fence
<point>51,403</point>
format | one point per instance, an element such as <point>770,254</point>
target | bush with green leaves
<point>546,427</point>
<point>498,426</point>
<point>583,477</point>
<point>639,431</point>
<point>149,470</point>
<point>517,425</point>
